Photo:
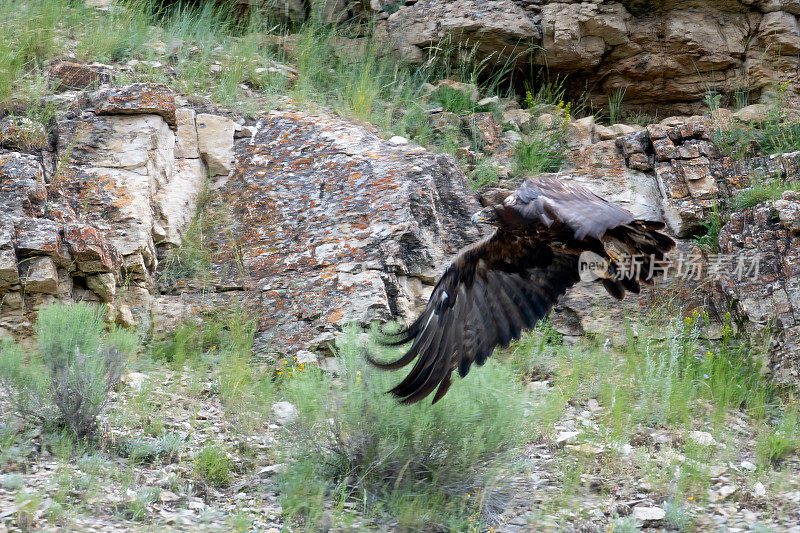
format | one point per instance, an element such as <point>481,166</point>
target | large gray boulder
<point>327,224</point>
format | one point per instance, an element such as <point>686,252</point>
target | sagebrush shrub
<point>83,363</point>
<point>361,443</point>
<point>77,364</point>
<point>23,381</point>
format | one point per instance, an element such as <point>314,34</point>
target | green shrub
<point>24,381</point>
<point>534,354</point>
<point>246,390</point>
<point>454,100</point>
<point>181,345</point>
<point>28,505</point>
<point>778,138</point>
<point>777,135</point>
<point>166,448</point>
<point>192,259</point>
<point>544,90</point>
<point>738,142</point>
<point>193,339</point>
<point>362,445</point>
<point>136,509</point>
<point>639,117</point>
<point>626,525</point>
<point>774,444</point>
<point>657,378</point>
<point>83,367</point>
<point>685,367</point>
<point>62,331</point>
<point>677,516</point>
<point>213,466</point>
<point>713,100</point>
<point>709,242</point>
<point>77,364</point>
<point>485,174</point>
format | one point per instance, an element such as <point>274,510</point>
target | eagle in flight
<point>504,284</point>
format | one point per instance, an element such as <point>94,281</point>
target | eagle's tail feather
<point>647,244</point>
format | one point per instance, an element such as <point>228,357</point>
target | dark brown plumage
<point>504,284</point>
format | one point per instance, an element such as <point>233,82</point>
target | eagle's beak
<point>478,217</point>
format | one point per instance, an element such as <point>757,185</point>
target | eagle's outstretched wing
<point>493,291</point>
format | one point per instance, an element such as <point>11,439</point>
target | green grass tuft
<point>762,191</point>
<point>454,100</point>
<point>615,105</point>
<point>779,134</point>
<point>709,242</point>
<point>541,151</point>
<point>213,466</point>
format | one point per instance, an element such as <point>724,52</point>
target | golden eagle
<point>507,282</point>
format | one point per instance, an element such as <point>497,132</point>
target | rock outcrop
<point>666,55</point>
<point>765,285</point>
<point>87,224</point>
<point>692,175</point>
<point>320,222</point>
<point>500,28</point>
<point>317,222</point>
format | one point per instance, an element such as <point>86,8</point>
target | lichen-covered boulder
<point>68,75</point>
<point>329,224</point>
<point>136,99</point>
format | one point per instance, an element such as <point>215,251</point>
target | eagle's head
<point>487,215</point>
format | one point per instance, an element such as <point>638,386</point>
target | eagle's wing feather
<point>545,200</point>
<point>492,292</point>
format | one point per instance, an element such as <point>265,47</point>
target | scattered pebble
<point>567,437</point>
<point>702,438</point>
<point>747,465</point>
<point>306,357</point>
<point>648,514</point>
<point>284,413</point>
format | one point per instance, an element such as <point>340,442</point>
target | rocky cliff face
<point>84,220</point>
<point>666,55</point>
<point>320,221</point>
<point>317,222</point>
<point>767,237</point>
